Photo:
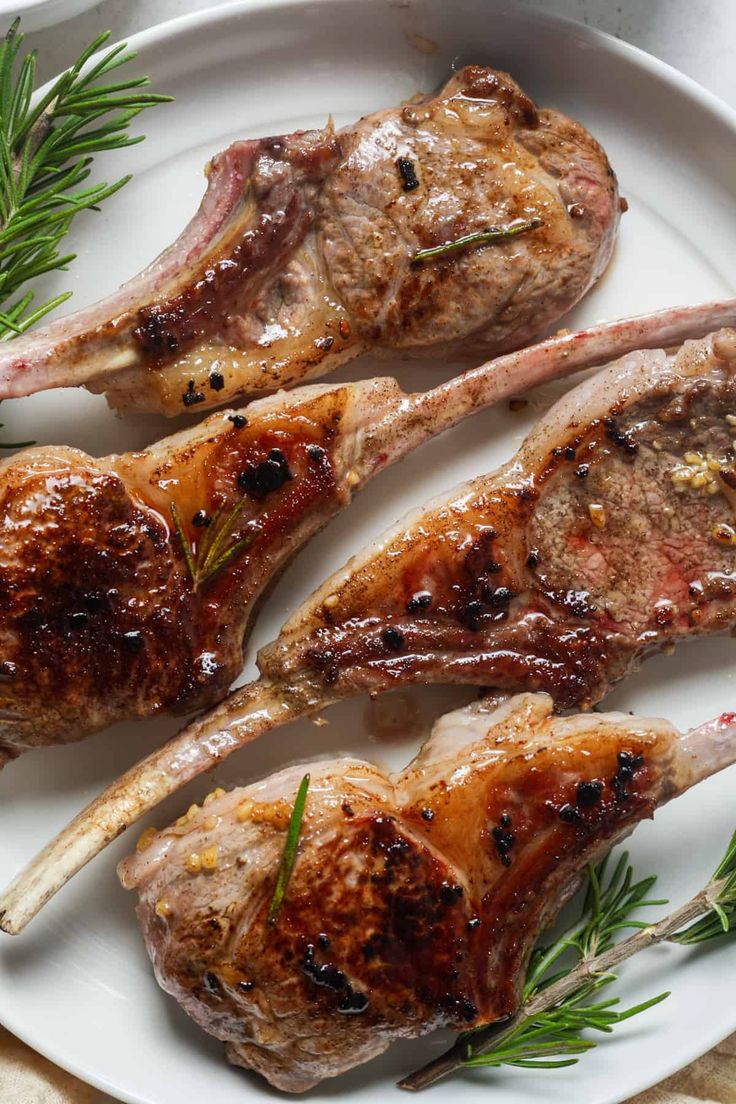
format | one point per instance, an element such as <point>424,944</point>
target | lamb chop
<point>416,899</point>
<point>610,535</point>
<point>303,255</point>
<point>113,608</point>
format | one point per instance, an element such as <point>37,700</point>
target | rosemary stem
<point>494,1034</point>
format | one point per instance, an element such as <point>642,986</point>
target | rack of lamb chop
<point>305,254</point>
<point>416,899</point>
<point>610,535</point>
<point>138,610</point>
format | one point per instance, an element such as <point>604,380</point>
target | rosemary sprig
<point>556,1006</point>
<point>288,855</point>
<point>481,237</point>
<point>213,552</point>
<point>47,145</point>
<point>720,894</point>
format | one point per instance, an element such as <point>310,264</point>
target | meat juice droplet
<point>394,717</point>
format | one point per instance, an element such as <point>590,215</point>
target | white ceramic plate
<point>35,14</point>
<point>77,985</point>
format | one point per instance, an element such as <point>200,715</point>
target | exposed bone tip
<point>8,924</point>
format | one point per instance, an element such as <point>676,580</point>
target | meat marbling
<point>100,619</point>
<point>610,535</point>
<point>416,899</point>
<point>300,257</point>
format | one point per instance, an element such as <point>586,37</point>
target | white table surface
<point>696,36</point>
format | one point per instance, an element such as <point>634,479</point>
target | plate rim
<point>158,34</point>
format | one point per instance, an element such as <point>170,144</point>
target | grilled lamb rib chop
<point>608,536</point>
<point>113,626</point>
<point>416,899</point>
<point>300,256</point>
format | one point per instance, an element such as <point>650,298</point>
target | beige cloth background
<point>26,1078</point>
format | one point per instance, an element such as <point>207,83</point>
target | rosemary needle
<point>211,554</point>
<point>288,856</point>
<point>481,237</point>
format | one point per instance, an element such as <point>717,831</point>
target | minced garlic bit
<point>723,533</point>
<point>731,419</point>
<point>209,858</point>
<point>163,907</point>
<point>597,515</point>
<point>146,839</point>
<point>210,822</point>
<point>191,813</point>
<point>698,473</point>
<point>193,862</point>
<point>330,601</point>
<point>218,792</point>
<point>244,810</point>
<point>352,479</point>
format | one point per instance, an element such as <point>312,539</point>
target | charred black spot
<point>261,479</point>
<point>393,639</point>
<point>201,520</point>
<point>192,397</point>
<point>504,839</point>
<point>8,670</point>
<point>589,793</point>
<point>620,439</point>
<point>628,764</point>
<point>533,558</point>
<point>570,815</point>
<point>473,923</point>
<point>246,986</point>
<point>133,641</point>
<point>325,343</point>
<point>494,568</point>
<point>347,809</point>
<point>238,420</point>
<point>582,471</point>
<point>427,814</point>
<point>330,977</point>
<point>407,173</point>
<point>471,614</point>
<point>217,381</point>
<point>500,597</point>
<point>353,1003</point>
<point>570,453</point>
<point>323,941</point>
<point>323,974</point>
<point>316,452</point>
<point>450,894</point>
<point>420,601</point>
